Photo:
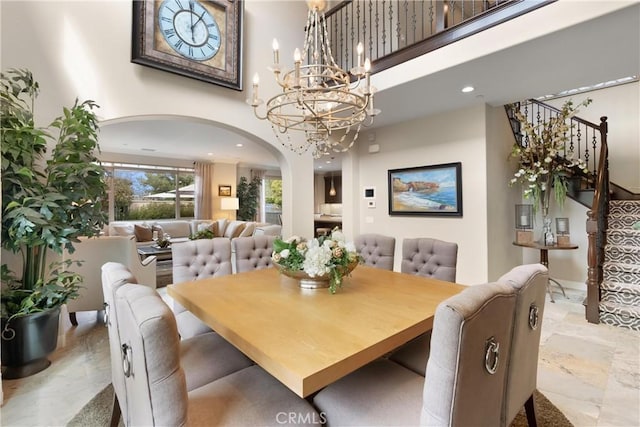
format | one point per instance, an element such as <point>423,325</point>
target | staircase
<point>620,289</point>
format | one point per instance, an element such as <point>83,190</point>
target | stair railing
<point>596,229</point>
<point>395,31</point>
<point>583,141</point>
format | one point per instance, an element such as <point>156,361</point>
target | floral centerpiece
<point>544,162</point>
<point>326,258</point>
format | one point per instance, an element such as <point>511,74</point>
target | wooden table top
<point>537,245</point>
<point>310,338</point>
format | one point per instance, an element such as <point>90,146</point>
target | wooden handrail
<point>596,227</point>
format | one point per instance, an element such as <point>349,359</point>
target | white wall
<point>443,138</point>
<point>501,198</point>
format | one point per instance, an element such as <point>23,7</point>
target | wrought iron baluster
<point>432,23</point>
<point>358,25</point>
<point>579,137</point>
<point>390,26</point>
<point>594,145</point>
<point>414,22</point>
<point>370,30</point>
<point>384,28</point>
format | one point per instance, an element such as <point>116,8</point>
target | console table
<point>544,259</point>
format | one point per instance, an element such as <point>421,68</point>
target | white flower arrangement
<point>541,166</point>
<point>326,255</point>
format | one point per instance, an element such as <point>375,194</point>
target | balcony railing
<point>394,31</point>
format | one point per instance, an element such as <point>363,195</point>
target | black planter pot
<point>27,341</point>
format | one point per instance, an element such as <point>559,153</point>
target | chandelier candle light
<point>318,97</point>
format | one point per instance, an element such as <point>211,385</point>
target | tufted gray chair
<point>529,282</point>
<point>195,260</point>
<point>376,250</point>
<point>465,378</point>
<point>195,352</point>
<point>156,387</point>
<point>252,253</point>
<point>430,258</point>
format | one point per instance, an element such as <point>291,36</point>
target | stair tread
<point>630,231</point>
<point>624,248</point>
<point>613,286</point>
<point>612,307</point>
<point>631,268</point>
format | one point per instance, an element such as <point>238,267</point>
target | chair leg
<point>73,319</point>
<point>530,409</point>
<point>115,411</point>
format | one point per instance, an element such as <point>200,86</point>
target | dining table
<point>309,338</point>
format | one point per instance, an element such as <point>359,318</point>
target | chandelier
<point>318,97</point>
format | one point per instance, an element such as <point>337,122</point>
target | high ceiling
<point>595,51</point>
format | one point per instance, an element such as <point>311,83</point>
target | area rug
<point>97,412</point>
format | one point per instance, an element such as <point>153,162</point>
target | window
<point>272,199</point>
<point>140,192</point>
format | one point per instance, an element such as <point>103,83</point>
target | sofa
<point>180,230</point>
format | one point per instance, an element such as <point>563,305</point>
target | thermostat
<point>369,192</point>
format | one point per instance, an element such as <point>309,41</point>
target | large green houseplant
<point>248,193</point>
<point>46,203</point>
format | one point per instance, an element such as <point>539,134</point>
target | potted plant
<point>46,206</point>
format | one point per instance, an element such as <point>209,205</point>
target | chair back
<point>201,259</point>
<point>154,380</point>
<point>530,283</point>
<point>252,253</point>
<point>466,370</point>
<point>376,250</point>
<point>114,275</point>
<point>430,258</point>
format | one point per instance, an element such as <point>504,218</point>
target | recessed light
<point>467,89</point>
<point>238,145</point>
<point>328,161</point>
<point>209,154</point>
<point>319,167</point>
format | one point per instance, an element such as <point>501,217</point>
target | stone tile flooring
<point>591,372</point>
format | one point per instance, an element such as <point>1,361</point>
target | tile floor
<point>591,372</point>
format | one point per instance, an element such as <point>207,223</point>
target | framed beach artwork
<point>426,190</point>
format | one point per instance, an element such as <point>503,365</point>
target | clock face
<point>189,29</point>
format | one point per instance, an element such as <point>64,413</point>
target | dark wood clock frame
<point>150,49</point>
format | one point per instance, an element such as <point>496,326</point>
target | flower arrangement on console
<point>328,256</point>
<point>544,163</point>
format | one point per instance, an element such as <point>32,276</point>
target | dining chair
<point>154,376</point>
<point>252,253</point>
<point>530,282</point>
<point>195,352</point>
<point>376,250</point>
<point>430,258</point>
<point>465,377</point>
<point>196,260</point>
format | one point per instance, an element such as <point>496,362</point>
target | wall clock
<point>194,38</point>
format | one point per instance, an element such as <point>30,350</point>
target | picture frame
<point>434,190</point>
<point>215,54</point>
<point>224,190</point>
